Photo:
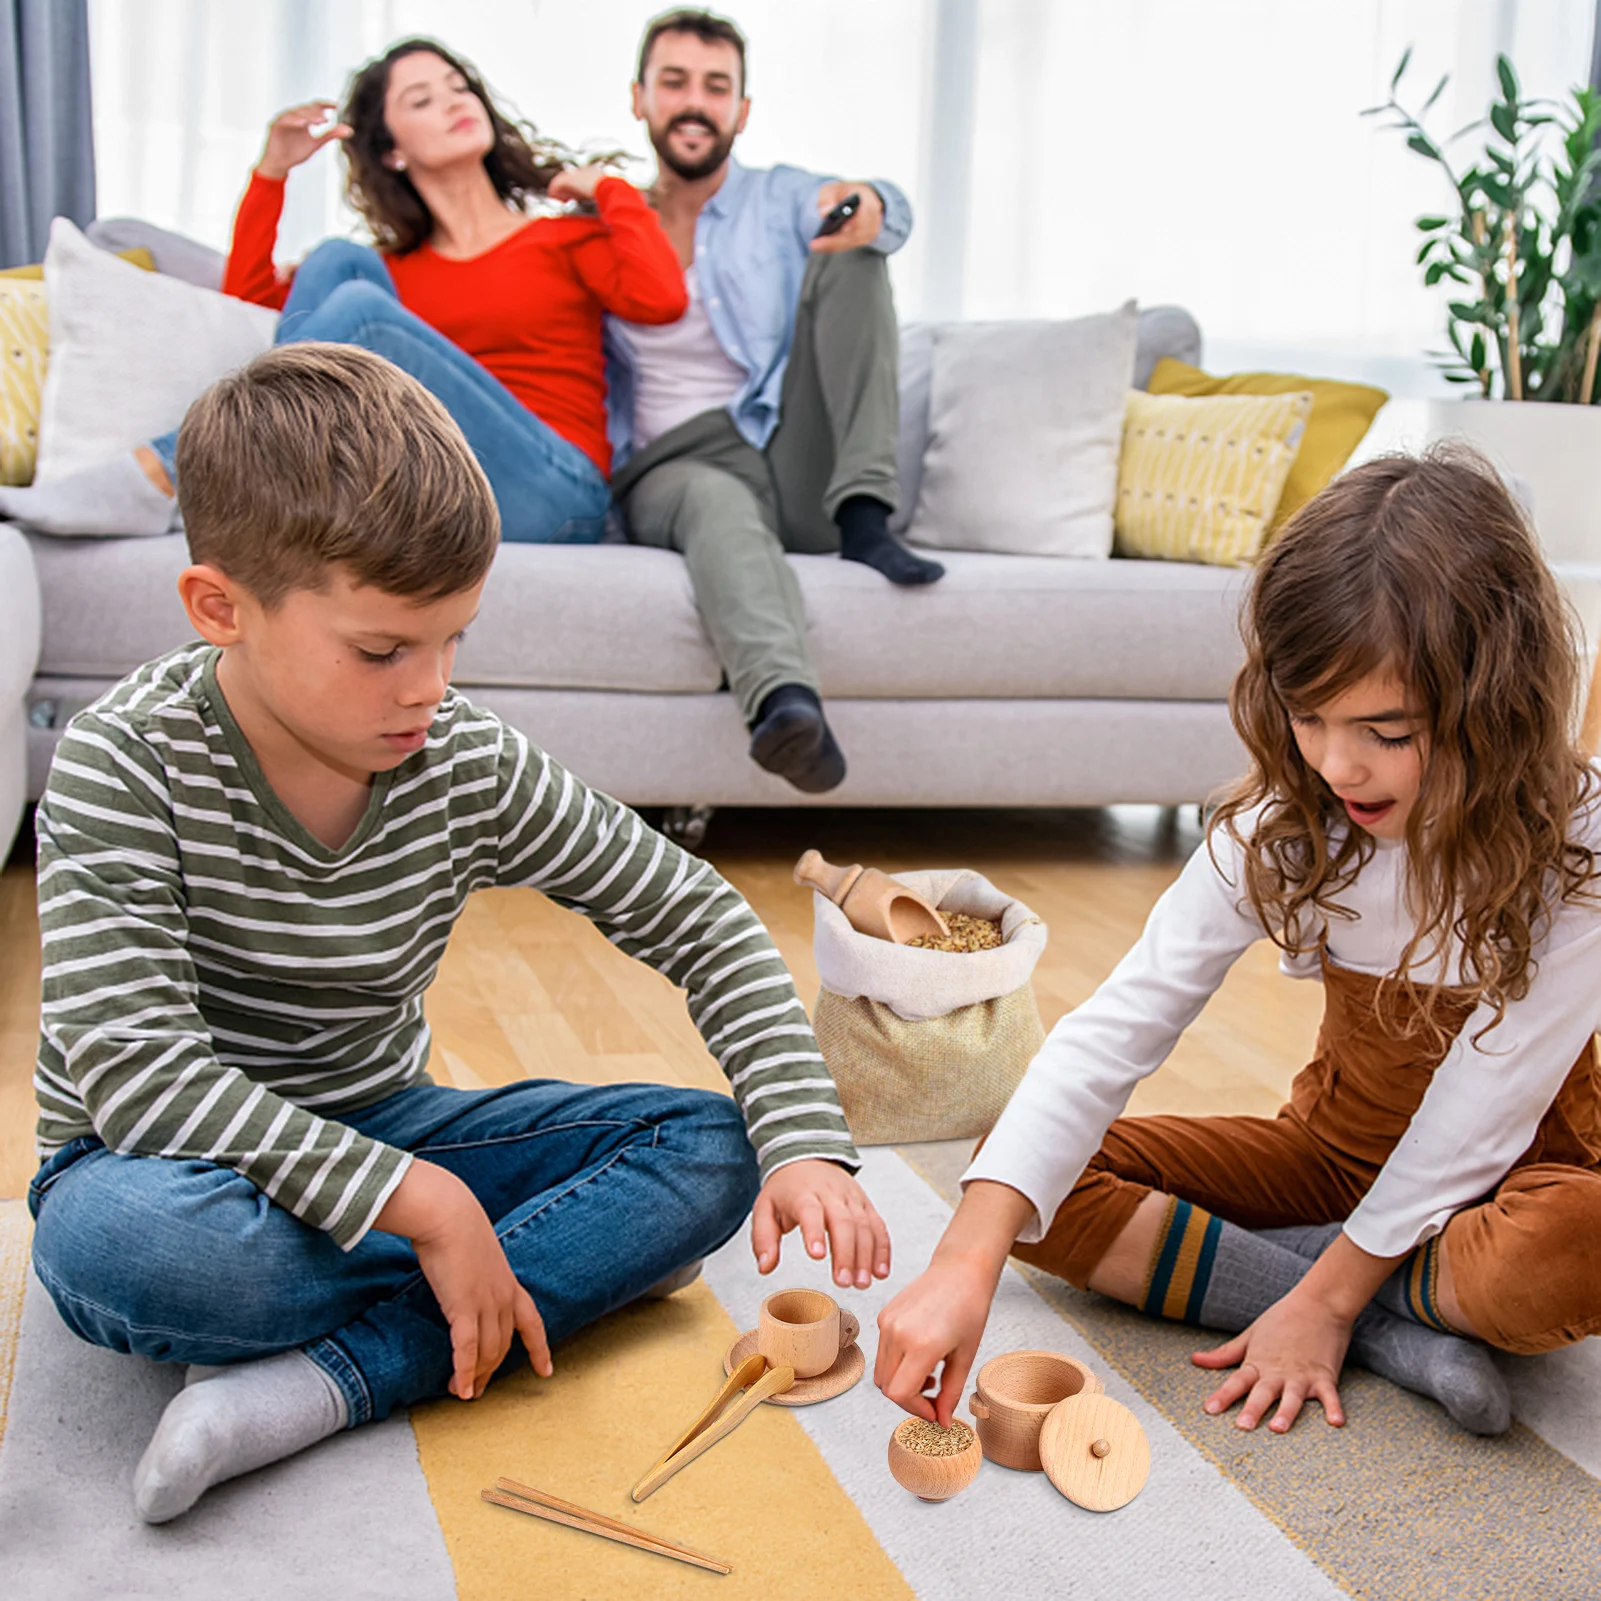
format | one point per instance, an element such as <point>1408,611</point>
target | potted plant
<point>1521,246</point>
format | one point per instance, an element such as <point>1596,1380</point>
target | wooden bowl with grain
<point>1015,1395</point>
<point>934,1463</point>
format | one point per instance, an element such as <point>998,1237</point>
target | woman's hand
<point>468,1272</point>
<point>938,1318</point>
<point>1291,1354</point>
<point>578,183</point>
<point>821,1198</point>
<point>293,137</point>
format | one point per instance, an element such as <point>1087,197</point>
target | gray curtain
<point>47,165</point>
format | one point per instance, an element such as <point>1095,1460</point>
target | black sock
<point>791,737</point>
<point>864,536</point>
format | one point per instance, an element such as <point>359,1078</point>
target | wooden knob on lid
<point>1100,1447</point>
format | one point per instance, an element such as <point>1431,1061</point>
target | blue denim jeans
<point>596,1194</point>
<point>548,490</point>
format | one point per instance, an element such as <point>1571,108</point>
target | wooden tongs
<point>758,1381</point>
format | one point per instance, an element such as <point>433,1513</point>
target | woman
<point>498,314</point>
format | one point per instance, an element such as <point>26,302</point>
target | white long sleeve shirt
<point>1478,1116</point>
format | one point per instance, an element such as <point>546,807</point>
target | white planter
<point>1555,449</point>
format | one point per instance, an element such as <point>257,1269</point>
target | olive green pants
<point>732,511</point>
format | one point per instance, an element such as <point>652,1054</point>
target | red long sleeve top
<point>528,309</point>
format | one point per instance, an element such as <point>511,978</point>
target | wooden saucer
<point>847,1369</point>
<point>1095,1452</point>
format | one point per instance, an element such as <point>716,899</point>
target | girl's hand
<point>821,1198</point>
<point>937,1318</point>
<point>468,1272</point>
<point>292,137</point>
<point>1291,1354</point>
<point>578,183</point>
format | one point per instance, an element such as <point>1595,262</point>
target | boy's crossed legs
<point>597,1195</point>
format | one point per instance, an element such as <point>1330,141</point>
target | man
<point>765,419</point>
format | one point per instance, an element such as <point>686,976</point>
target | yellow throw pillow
<point>1342,413</point>
<point>138,255</point>
<point>24,348</point>
<point>1199,480</point>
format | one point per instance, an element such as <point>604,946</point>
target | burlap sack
<point>928,1045</point>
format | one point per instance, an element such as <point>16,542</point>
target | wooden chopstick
<point>537,1503</point>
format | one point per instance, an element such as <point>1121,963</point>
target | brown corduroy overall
<point>1525,1259</point>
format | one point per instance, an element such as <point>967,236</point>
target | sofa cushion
<point>19,619</point>
<point>1025,627</point>
<point>616,617</point>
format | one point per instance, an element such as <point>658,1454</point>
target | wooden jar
<point>932,1478</point>
<point>1015,1395</point>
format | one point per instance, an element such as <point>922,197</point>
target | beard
<point>721,144</point>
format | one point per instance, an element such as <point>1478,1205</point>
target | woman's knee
<point>337,261</point>
<point>345,315</point>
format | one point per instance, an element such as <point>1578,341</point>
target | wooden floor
<point>527,990</point>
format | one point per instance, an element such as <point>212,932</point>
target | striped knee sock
<point>1411,1292</point>
<point>1181,1265</point>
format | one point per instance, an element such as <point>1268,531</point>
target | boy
<point>251,853</point>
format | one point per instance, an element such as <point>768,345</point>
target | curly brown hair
<point>520,163</point>
<point>1422,567</point>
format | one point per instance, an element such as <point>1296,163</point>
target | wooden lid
<point>1095,1452</point>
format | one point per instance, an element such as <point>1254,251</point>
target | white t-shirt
<point>1477,1117</point>
<point>680,369</point>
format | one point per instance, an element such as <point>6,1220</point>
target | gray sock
<point>228,1421</point>
<point>1229,1276</point>
<point>113,498</point>
<point>1408,1292</point>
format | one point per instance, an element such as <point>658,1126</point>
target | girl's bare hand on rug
<point>1290,1355</point>
<point>468,1272</point>
<point>821,1199</point>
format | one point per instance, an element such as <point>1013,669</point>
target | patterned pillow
<point>1199,480</point>
<point>24,349</point>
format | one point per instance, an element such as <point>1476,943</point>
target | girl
<point>497,314</point>
<point>1419,827</point>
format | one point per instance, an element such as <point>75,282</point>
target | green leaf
<point>1424,146</point>
<point>1504,120</point>
<point>1476,353</point>
<point>1437,270</point>
<point>1400,70</point>
<point>1431,224</point>
<point>1439,89</point>
<point>1503,71</point>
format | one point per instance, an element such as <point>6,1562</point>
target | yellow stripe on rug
<point>763,1499</point>
<point>16,1233</point>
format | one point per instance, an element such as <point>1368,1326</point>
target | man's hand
<point>820,1197</point>
<point>293,137</point>
<point>862,229</point>
<point>577,183</point>
<point>1291,1354</point>
<point>937,1318</point>
<point>468,1273</point>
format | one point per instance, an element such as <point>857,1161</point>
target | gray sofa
<point>1014,681</point>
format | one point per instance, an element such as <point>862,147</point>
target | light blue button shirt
<point>751,252</point>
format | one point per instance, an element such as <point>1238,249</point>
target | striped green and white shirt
<point>220,986</point>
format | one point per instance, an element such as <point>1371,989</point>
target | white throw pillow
<point>1025,425</point>
<point>129,351</point>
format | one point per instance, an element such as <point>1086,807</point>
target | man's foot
<point>791,737</point>
<point>117,497</point>
<point>229,1421</point>
<point>864,536</point>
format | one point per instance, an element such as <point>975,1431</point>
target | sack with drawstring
<point>922,1044</point>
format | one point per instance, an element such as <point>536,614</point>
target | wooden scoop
<point>872,901</point>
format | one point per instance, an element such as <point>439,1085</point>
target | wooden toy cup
<point>1015,1395</point>
<point>805,1330</point>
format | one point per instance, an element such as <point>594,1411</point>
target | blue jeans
<point>548,490</point>
<point>596,1194</point>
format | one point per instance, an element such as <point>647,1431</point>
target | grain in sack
<point>928,1044</point>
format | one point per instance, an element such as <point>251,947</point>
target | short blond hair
<point>316,456</point>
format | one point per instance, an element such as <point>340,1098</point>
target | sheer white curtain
<point>1062,155</point>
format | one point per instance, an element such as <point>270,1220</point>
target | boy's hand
<point>294,137</point>
<point>820,1197</point>
<point>938,1317</point>
<point>1291,1354</point>
<point>468,1273</point>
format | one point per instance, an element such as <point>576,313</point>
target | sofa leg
<point>687,825</point>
